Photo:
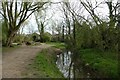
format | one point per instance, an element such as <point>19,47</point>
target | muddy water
<point>63,63</point>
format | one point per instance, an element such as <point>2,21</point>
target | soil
<point>15,62</point>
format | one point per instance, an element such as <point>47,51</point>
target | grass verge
<point>45,64</point>
<point>104,62</point>
<point>57,44</point>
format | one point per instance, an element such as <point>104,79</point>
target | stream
<point>63,63</point>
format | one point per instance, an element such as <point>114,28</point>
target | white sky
<point>103,11</point>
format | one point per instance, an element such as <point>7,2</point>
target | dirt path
<point>15,62</point>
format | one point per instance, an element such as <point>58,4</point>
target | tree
<point>59,30</point>
<point>66,16</point>
<point>15,17</point>
<point>41,20</point>
<point>70,18</point>
<point>106,29</point>
<point>63,30</point>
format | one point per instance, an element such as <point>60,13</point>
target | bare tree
<point>89,7</point>
<point>15,17</point>
<point>66,16</point>
<point>42,21</point>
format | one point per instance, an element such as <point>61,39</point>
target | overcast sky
<point>57,14</point>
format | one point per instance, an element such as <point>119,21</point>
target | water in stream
<point>63,63</point>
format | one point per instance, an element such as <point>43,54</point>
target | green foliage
<point>57,45</point>
<point>100,37</point>
<point>31,37</point>
<point>107,66</point>
<point>27,38</point>
<point>83,36</point>
<point>4,32</point>
<point>104,62</point>
<point>35,37</point>
<point>45,64</point>
<point>46,37</point>
<point>19,38</point>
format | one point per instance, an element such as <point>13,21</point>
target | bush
<point>28,43</point>
<point>4,32</point>
<point>46,37</point>
<point>19,38</point>
<point>35,37</point>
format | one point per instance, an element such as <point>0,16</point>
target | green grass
<point>104,62</point>
<point>45,64</point>
<point>57,45</point>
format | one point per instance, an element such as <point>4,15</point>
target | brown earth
<point>15,62</point>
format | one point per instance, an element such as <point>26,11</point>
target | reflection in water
<point>63,63</point>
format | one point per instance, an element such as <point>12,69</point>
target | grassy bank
<point>57,44</point>
<point>45,64</point>
<point>105,63</point>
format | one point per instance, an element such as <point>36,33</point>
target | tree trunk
<point>69,30</point>
<point>74,34</point>
<point>74,71</point>
<point>42,32</point>
<point>70,70</point>
<point>9,40</point>
<point>63,34</point>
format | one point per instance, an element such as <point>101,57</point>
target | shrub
<point>46,37</point>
